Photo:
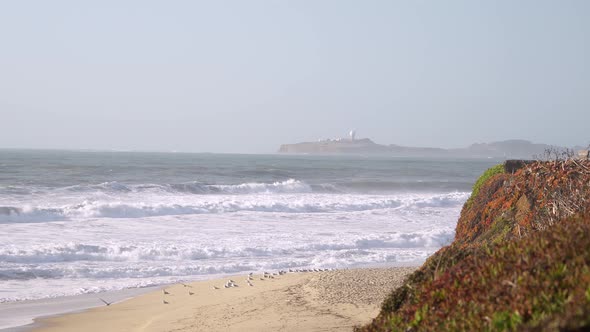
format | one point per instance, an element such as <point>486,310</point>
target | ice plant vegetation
<point>520,259</point>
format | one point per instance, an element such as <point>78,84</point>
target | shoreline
<point>310,301</point>
<point>23,315</point>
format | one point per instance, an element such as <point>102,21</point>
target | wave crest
<point>318,203</point>
<point>71,252</point>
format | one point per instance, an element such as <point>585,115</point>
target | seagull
<point>226,286</point>
<point>262,279</point>
<point>105,302</point>
<point>164,301</point>
<point>215,287</point>
<point>249,283</point>
<point>165,292</point>
<point>185,285</point>
<point>251,273</point>
<point>231,281</point>
<point>190,293</point>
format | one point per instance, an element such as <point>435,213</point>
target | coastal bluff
<point>520,259</point>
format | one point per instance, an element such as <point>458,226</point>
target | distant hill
<point>360,146</point>
<point>509,148</point>
<point>502,149</point>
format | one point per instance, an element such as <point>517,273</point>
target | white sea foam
<point>133,206</point>
<point>60,246</point>
<point>71,252</point>
<point>95,249</point>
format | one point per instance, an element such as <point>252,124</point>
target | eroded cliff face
<point>520,259</point>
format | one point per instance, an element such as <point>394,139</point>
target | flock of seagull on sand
<point>265,275</point>
<point>231,283</point>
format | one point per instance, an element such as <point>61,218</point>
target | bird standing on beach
<point>165,292</point>
<point>164,301</point>
<point>190,293</point>
<point>215,287</point>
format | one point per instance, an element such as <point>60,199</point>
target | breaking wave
<point>287,186</point>
<point>129,261</point>
<point>136,253</point>
<point>291,186</point>
<point>165,206</point>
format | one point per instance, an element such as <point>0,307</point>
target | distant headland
<point>365,146</point>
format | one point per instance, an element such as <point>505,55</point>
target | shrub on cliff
<point>498,169</point>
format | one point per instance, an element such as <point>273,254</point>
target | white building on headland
<point>351,138</point>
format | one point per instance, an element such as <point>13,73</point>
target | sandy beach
<point>312,301</point>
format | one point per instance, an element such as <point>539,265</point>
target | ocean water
<point>84,222</point>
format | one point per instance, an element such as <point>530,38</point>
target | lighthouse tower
<point>352,135</point>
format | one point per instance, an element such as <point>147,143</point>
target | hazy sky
<point>246,76</point>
